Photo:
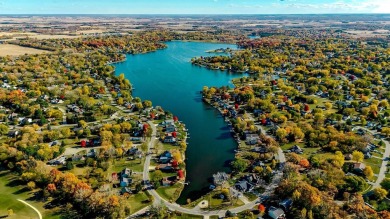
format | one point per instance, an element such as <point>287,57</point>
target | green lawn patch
<point>187,216</point>
<point>135,165</point>
<point>170,193</point>
<point>138,202</point>
<point>11,190</point>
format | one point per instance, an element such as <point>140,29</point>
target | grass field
<point>138,201</point>
<point>10,191</point>
<point>14,50</point>
<point>170,193</point>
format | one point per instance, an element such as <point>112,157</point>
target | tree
<point>380,193</point>
<point>386,131</point>
<point>3,129</point>
<point>239,165</point>
<point>357,156</point>
<point>156,177</point>
<point>10,212</point>
<point>144,147</point>
<point>328,105</point>
<point>386,184</point>
<point>31,185</point>
<point>138,188</point>
<point>354,184</point>
<point>65,132</point>
<point>304,163</point>
<point>281,133</point>
<point>82,124</point>
<point>368,172</point>
<point>69,165</point>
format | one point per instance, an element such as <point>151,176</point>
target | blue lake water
<point>169,80</point>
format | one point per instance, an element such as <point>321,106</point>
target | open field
<point>14,50</point>
<point>11,191</point>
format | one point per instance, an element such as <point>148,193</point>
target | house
<point>261,150</point>
<point>132,151</point>
<point>251,139</point>
<point>125,172</point>
<point>165,157</point>
<point>276,213</point>
<point>169,139</point>
<point>348,157</point>
<point>167,123</point>
<point>92,153</point>
<point>166,182</point>
<point>124,182</point>
<point>13,134</point>
<point>243,186</point>
<point>286,204</point>
<point>165,168</point>
<point>125,190</point>
<point>95,142</point>
<point>170,128</point>
<point>359,167</point>
<point>296,149</point>
<point>220,177</point>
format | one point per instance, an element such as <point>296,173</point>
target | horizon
<point>200,7</point>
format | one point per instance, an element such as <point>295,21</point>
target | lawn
<point>10,191</point>
<point>138,201</point>
<point>170,193</point>
<point>187,216</point>
<point>134,165</point>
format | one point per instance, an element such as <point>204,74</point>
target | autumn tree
<point>380,193</point>
<point>357,156</point>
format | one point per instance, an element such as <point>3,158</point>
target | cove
<point>168,79</point>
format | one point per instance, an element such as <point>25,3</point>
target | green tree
<point>239,165</point>
<point>386,184</point>
<point>380,193</point>
<point>156,177</point>
<point>3,129</point>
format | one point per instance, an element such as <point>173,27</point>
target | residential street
<point>385,161</point>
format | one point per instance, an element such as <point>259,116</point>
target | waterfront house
<point>251,139</point>
<point>168,168</point>
<point>243,186</point>
<point>169,139</point>
<point>220,177</point>
<point>165,157</point>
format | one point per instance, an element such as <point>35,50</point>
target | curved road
<point>385,161</point>
<point>196,210</point>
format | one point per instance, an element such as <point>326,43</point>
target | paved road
<point>149,156</point>
<point>382,171</point>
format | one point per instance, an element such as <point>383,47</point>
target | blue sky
<point>192,6</point>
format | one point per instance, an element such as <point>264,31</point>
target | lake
<point>168,79</point>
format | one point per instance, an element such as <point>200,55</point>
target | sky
<point>193,6</point>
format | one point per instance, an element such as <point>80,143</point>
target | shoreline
<point>232,131</point>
